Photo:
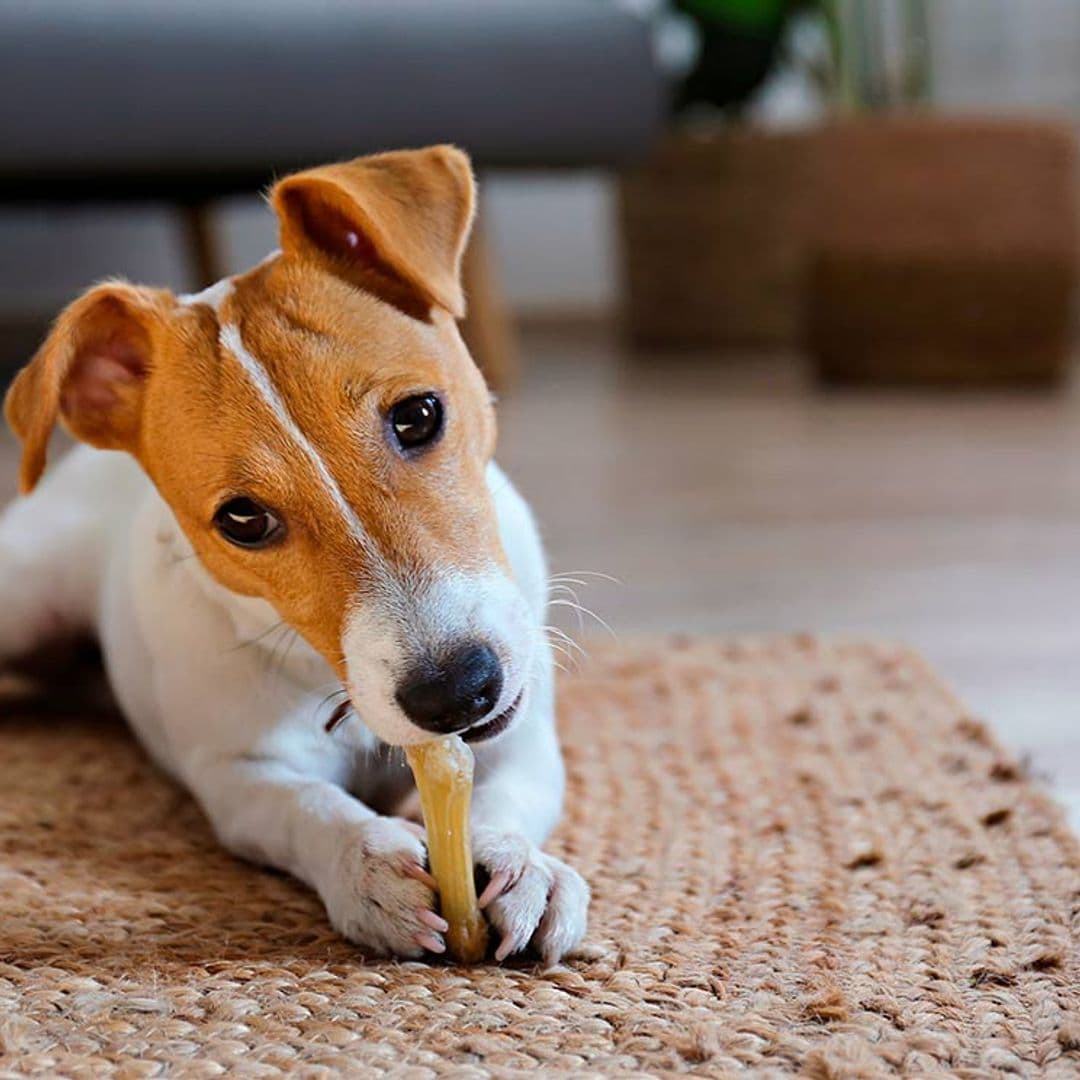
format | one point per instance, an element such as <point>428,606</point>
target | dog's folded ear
<point>89,373</point>
<point>394,224</point>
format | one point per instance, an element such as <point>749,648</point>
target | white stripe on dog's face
<point>213,296</point>
<point>231,341</point>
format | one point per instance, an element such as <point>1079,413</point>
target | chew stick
<point>443,769</point>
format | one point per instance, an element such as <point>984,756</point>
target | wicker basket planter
<point>713,241</point>
<point>942,251</point>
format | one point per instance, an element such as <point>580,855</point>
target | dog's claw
<point>495,888</point>
<point>506,947</point>
<point>433,920</point>
<point>420,874</point>
<point>431,942</point>
<point>531,899</point>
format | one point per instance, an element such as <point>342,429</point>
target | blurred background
<point>779,298</point>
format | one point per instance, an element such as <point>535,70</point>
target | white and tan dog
<point>308,448</point>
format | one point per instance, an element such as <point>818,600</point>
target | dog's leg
<point>532,899</point>
<point>53,547</point>
<point>368,869</point>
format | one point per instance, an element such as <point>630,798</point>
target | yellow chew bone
<point>443,770</point>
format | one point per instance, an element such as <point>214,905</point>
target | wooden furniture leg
<point>487,327</point>
<point>203,249</point>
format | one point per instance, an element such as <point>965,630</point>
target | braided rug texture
<point>806,858</point>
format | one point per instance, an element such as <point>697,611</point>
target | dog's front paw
<point>380,896</point>
<point>531,899</point>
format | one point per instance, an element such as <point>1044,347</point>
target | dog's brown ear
<point>89,373</point>
<point>395,224</point>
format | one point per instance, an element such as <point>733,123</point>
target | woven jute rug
<point>806,858</point>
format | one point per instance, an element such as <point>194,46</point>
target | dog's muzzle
<point>452,693</point>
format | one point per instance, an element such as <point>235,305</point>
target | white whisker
<point>585,611</point>
<point>564,643</point>
<point>576,603</point>
<point>587,573</point>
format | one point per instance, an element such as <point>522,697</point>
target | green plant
<point>878,62</point>
<point>739,42</point>
<point>748,12</point>
<point>878,53</point>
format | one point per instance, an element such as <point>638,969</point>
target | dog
<point>306,452</point>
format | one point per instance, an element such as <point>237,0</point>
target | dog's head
<point>322,437</point>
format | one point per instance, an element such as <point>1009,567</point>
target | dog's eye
<point>246,523</point>
<point>417,420</point>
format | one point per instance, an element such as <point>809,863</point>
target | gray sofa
<point>192,98</point>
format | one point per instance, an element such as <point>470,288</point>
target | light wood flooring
<point>732,496</point>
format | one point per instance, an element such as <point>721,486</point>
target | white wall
<point>1008,54</point>
<point>554,240</point>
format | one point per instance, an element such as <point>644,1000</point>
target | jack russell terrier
<point>309,449</point>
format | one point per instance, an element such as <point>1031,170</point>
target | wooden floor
<point>732,497</point>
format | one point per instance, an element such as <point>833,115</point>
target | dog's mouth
<point>487,730</point>
<point>496,725</point>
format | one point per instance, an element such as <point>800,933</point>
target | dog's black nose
<point>449,695</point>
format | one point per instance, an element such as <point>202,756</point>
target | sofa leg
<point>201,241</point>
<point>487,328</point>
